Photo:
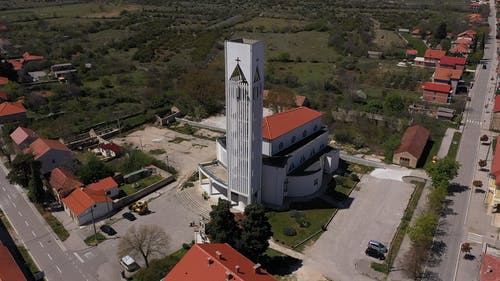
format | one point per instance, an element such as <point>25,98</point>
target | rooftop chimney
<point>219,254</point>
<point>210,261</point>
<point>256,267</point>
<point>489,269</point>
<point>237,268</point>
<point>229,275</point>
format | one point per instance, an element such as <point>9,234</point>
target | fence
<point>143,192</point>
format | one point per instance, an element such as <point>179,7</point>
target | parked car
<point>129,263</point>
<point>376,245</point>
<point>374,253</point>
<point>129,216</point>
<point>108,229</point>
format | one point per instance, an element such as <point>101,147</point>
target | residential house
<point>27,57</point>
<point>12,112</point>
<point>3,27</point>
<point>23,137</point>
<point>463,41</point>
<point>9,270</point>
<point>51,154</point>
<point>108,185</point>
<point>3,81</point>
<point>85,205</point>
<point>411,54</point>
<point>416,32</point>
<point>109,150</point>
<point>453,62</point>
<point>403,30</point>
<point>493,196</point>
<point>468,33</point>
<point>448,76</point>
<point>490,264</point>
<point>412,146</point>
<point>419,61</point>
<point>59,70</point>
<point>460,49</point>
<point>475,19</point>
<point>437,92</point>
<point>433,57</point>
<point>36,76</point>
<point>63,182</point>
<point>4,96</point>
<point>375,54</point>
<point>17,64</point>
<point>216,262</point>
<point>495,120</point>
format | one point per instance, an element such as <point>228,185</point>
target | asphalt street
<point>49,253</point>
<point>453,224</point>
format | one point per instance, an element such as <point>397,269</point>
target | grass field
<point>416,43</point>
<point>316,48</point>
<point>130,189</point>
<point>388,39</point>
<point>95,239</point>
<point>264,24</point>
<point>455,143</point>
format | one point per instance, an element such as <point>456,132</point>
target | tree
<point>21,168</point>
<point>393,104</point>
<point>7,70</point>
<point>422,232</point>
<point>256,231</point>
<point>482,163</point>
<point>94,170</point>
<point>222,228</point>
<point>146,240</point>
<point>465,248</point>
<point>36,192</point>
<point>441,31</point>
<point>442,171</point>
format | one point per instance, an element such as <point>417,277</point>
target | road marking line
<point>20,214</point>
<point>8,196</point>
<point>3,188</point>
<point>49,256</point>
<point>41,245</point>
<point>14,204</point>
<point>27,224</point>
<point>58,269</point>
<point>33,233</point>
<point>79,258</point>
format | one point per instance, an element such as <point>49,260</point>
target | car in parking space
<point>374,253</point>
<point>376,245</point>
<point>108,230</point>
<point>129,216</point>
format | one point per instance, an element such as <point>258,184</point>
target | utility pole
<point>93,223</point>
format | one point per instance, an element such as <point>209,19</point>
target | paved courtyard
<point>378,205</point>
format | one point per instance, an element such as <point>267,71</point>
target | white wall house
<point>85,206</point>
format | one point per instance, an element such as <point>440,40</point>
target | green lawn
<point>433,152</point>
<point>159,268</point>
<point>145,182</point>
<point>271,24</point>
<point>416,43</point>
<point>28,260</point>
<point>54,223</point>
<point>455,143</point>
<point>94,240</point>
<point>283,220</point>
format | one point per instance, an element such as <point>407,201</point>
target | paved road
<point>375,213</point>
<point>453,223</point>
<point>48,252</point>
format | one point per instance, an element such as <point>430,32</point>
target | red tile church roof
<point>278,124</point>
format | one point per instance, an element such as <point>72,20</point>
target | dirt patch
<point>387,39</point>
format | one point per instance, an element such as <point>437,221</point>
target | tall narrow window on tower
<point>244,59</point>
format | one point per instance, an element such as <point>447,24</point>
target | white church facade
<point>265,160</point>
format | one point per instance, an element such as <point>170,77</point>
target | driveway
<point>375,213</point>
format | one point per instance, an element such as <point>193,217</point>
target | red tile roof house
<point>9,270</point>
<point>108,185</point>
<point>468,33</point>
<point>12,112</point>
<point>453,62</point>
<point>214,262</point>
<point>437,92</point>
<point>411,54</point>
<point>495,121</point>
<point>51,154</point>
<point>412,146</point>
<point>447,76</point>
<point>460,49</point>
<point>4,96</point>
<point>23,137</point>
<point>109,150</point>
<point>490,264</point>
<point>84,205</point>
<point>416,32</point>
<point>63,182</point>
<point>432,57</point>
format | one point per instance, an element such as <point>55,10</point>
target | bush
<point>477,183</point>
<point>304,223</point>
<point>290,231</point>
<point>354,177</point>
<point>186,246</point>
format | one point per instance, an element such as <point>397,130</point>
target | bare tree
<point>146,240</point>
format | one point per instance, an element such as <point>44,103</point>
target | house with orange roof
<point>453,62</point>
<point>3,81</point>
<point>460,49</point>
<point>50,153</point>
<point>27,57</point>
<point>437,92</point>
<point>495,121</point>
<point>85,205</point>
<point>475,18</point>
<point>17,64</point>
<point>411,54</point>
<point>12,112</point>
<point>463,40</point>
<point>9,270</point>
<point>108,185</point>
<point>490,264</point>
<point>469,33</point>
<point>447,76</point>
<point>412,146</point>
<point>4,96</point>
<point>216,261</point>
<point>293,141</point>
<point>416,32</point>
<point>63,182</point>
<point>23,137</point>
<point>432,57</point>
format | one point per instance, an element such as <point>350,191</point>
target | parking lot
<point>375,213</point>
